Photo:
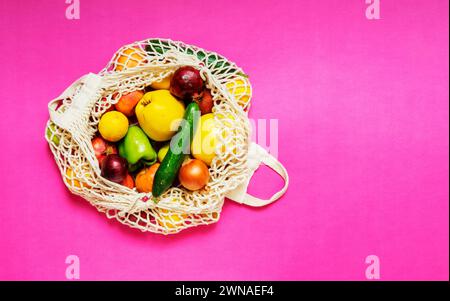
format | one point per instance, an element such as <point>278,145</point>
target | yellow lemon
<point>162,84</point>
<point>113,126</point>
<point>163,151</point>
<point>240,89</point>
<point>171,220</point>
<point>71,181</point>
<point>159,114</point>
<point>129,57</point>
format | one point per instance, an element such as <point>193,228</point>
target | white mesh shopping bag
<point>74,118</point>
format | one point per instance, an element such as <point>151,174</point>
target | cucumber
<point>167,171</point>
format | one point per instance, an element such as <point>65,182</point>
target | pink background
<point>363,131</point>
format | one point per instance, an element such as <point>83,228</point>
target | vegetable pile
<point>161,137</point>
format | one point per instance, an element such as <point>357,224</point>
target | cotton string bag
<point>74,118</point>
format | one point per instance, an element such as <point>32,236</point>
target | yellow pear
<point>159,114</point>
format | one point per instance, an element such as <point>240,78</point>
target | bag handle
<point>83,98</point>
<point>256,156</point>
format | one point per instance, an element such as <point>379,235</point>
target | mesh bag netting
<point>74,118</point>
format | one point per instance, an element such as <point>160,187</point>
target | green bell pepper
<point>137,149</point>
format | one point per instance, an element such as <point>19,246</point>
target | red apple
<point>103,148</point>
<point>104,101</point>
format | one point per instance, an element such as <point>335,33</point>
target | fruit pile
<point>159,137</point>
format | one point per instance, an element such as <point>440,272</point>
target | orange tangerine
<point>129,57</point>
